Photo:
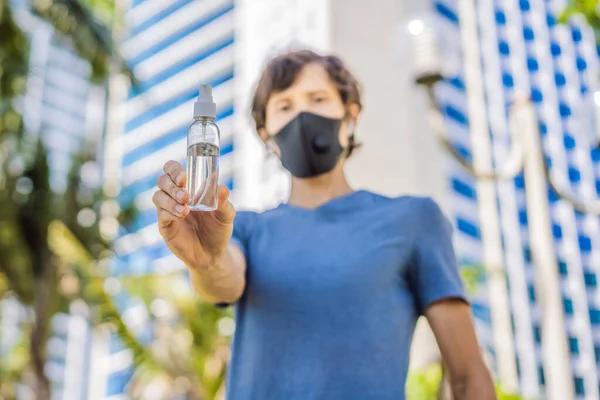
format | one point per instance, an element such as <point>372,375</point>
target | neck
<point>313,192</point>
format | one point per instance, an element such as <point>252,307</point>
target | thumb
<point>225,211</point>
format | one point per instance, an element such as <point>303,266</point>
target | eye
<point>319,99</point>
<point>284,106</point>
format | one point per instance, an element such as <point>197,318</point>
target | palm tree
<point>31,270</point>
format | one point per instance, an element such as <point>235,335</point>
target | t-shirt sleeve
<point>433,272</point>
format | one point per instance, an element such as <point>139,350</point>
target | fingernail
<point>179,208</point>
<point>180,195</point>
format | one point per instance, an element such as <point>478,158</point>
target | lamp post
<point>526,155</point>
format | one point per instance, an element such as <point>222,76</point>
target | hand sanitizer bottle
<point>203,150</point>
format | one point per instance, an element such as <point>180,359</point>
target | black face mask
<point>310,145</point>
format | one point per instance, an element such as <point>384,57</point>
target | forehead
<point>312,77</point>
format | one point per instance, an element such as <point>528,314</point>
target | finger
<point>176,171</point>
<point>163,201</point>
<point>165,218</point>
<point>166,184</point>
<point>225,211</point>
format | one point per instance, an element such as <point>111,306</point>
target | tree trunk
<point>38,339</point>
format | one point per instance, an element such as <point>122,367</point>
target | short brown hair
<point>281,72</point>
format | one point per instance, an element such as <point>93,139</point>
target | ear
<point>354,111</point>
<point>262,133</point>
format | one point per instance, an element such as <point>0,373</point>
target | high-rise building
<point>523,48</point>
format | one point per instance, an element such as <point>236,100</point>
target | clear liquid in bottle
<point>203,176</point>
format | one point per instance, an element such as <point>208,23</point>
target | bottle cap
<point>205,106</point>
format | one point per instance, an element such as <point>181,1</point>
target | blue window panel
<point>557,231</point>
<point>446,12</point>
<point>574,175</point>
<point>552,197</point>
<point>168,105</point>
<point>117,381</point>
<point>524,5</point>
<point>507,80</point>
<point>565,110</point>
<point>170,40</point>
<point>537,334</point>
<point>585,244</point>
<point>560,79</point>
<point>550,20</point>
<point>504,48</point>
<point>597,352</point>
<point>500,17</point>
<point>154,145</point>
<point>555,49</point>
<point>482,312</point>
<point>584,89</point>
<point>532,64</point>
<point>597,186</point>
<point>463,188</point>
<point>115,344</point>
<point>562,268</point>
<point>579,386</point>
<point>519,181</point>
<point>464,152</point>
<point>595,316</point>
<point>457,82</point>
<point>568,306</point>
<point>159,17</point>
<point>146,217</point>
<point>569,141</point>
<point>576,35</point>
<point>542,376</point>
<point>543,128</point>
<point>523,217</point>
<point>590,280</point>
<point>596,154</point>
<point>527,254</point>
<point>161,142</point>
<point>456,115</point>
<point>194,58</point>
<point>536,95</point>
<point>468,228</point>
<point>581,64</point>
<point>136,3</point>
<point>531,293</point>
<point>528,33</point>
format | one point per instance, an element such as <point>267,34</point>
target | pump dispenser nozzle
<point>205,105</point>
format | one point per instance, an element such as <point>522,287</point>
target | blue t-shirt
<point>333,294</point>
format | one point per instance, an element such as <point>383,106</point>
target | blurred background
<point>492,107</point>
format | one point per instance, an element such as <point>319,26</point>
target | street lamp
<point>526,155</point>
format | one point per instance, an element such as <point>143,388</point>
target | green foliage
<point>424,385</point>
<point>38,276</point>
<point>588,9</point>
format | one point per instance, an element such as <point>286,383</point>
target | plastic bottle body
<point>203,151</point>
